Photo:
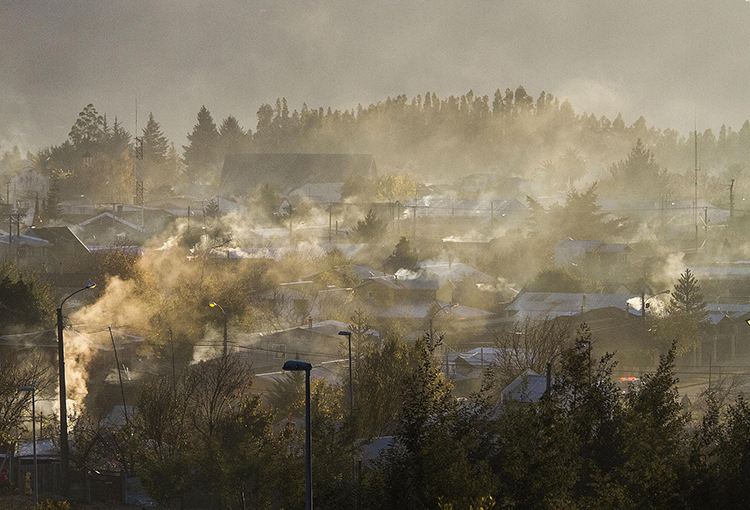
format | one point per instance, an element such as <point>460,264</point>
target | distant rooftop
<point>288,171</point>
<point>543,305</point>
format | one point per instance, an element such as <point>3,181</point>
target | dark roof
<point>58,236</point>
<point>243,172</point>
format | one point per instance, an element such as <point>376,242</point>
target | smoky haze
<point>666,60</point>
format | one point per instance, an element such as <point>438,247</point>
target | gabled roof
<point>243,172</point>
<point>58,236</point>
<point>324,192</point>
<point>717,312</point>
<point>527,387</point>
<point>111,217</point>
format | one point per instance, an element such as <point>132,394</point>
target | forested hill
<point>511,133</point>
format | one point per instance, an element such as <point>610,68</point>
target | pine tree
<point>639,175</point>
<point>118,139</point>
<point>371,228</point>
<point>52,204</point>
<point>155,144</point>
<point>403,256</point>
<point>687,298</point>
<point>202,154</point>
<point>232,137</point>
<point>212,209</point>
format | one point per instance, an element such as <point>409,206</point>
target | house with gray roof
<point>548,305</point>
<point>570,250</point>
<point>528,387</point>
<point>242,173</point>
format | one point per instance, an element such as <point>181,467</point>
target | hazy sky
<point>664,59</point>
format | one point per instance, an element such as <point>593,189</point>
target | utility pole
<point>330,223</point>
<point>731,200</point>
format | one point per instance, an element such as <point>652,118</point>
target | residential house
<point>570,251</point>
<point>27,250</point>
<point>529,387</point>
<point>242,173</point>
<point>317,342</point>
<point>66,253</point>
<point>441,206</point>
<point>107,229</point>
<point>319,193</point>
<point>548,305</point>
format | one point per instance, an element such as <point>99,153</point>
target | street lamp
<point>32,389</point>
<point>348,334</point>
<point>217,305</point>
<point>298,366</point>
<point>64,448</point>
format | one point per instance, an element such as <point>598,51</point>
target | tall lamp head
<point>297,366</point>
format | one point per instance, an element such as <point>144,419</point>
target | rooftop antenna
<point>139,166</point>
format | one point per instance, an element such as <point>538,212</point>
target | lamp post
<point>32,390</point>
<point>298,366</point>
<point>64,448</point>
<point>348,334</point>
<point>224,314</point>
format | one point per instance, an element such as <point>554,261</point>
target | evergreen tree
<point>155,144</point>
<point>118,139</point>
<point>232,137</point>
<point>212,209</point>
<point>52,203</point>
<point>202,154</point>
<point>687,298</point>
<point>639,175</point>
<point>403,256</point>
<point>371,228</point>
